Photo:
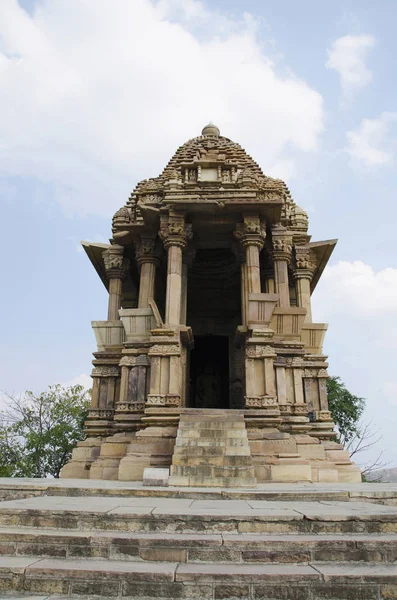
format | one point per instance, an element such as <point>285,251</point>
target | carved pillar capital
<point>305,263</point>
<point>146,251</point>
<point>282,243</point>
<point>175,232</point>
<point>251,232</point>
<point>116,265</point>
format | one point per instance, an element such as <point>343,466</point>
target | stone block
<point>312,451</point>
<point>282,592</point>
<point>327,591</point>
<point>325,475</point>
<point>163,554</point>
<point>231,592</point>
<point>155,477</point>
<point>291,472</point>
<point>349,474</point>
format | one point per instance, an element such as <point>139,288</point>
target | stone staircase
<point>212,450</point>
<point>149,548</point>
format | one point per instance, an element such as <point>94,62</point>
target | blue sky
<point>98,95</point>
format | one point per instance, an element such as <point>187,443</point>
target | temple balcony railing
<point>108,333</point>
<point>312,336</point>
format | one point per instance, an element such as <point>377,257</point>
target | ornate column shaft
<point>282,248</point>
<point>174,234</point>
<point>251,235</point>
<point>116,270</point>
<point>303,273</point>
<point>147,259</point>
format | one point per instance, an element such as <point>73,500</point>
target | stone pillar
<point>116,270</point>
<point>174,234</point>
<point>303,273</point>
<point>187,260</point>
<point>147,259</point>
<point>282,248</point>
<point>251,235</point>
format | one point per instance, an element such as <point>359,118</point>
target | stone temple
<point>209,362</point>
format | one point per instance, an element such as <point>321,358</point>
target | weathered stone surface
<point>155,477</point>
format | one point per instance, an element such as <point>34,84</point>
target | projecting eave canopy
<point>94,252</point>
<point>322,251</point>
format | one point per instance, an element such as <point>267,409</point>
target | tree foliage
<point>346,409</point>
<point>39,431</point>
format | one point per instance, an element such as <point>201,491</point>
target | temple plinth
<point>210,272</point>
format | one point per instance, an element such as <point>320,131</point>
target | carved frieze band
<point>163,400</point>
<point>165,350</point>
<point>105,372</point>
<point>260,351</point>
<point>260,401</point>
<point>100,414</point>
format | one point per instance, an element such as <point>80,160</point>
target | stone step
<point>217,424</point>
<point>215,434</point>
<point>205,470</point>
<point>208,451</point>
<point>180,459</point>
<point>140,580</point>
<point>209,413</point>
<point>229,443</point>
<point>214,516</point>
<point>181,547</point>
<point>212,482</point>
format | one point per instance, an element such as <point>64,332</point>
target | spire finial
<point>211,129</point>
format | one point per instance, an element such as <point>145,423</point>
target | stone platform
<point>96,539</point>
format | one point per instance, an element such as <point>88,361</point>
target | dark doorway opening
<point>209,372</point>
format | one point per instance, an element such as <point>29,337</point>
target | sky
<point>95,96</point>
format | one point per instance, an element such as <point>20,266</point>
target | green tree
<point>346,409</point>
<point>39,431</point>
<point>356,436</point>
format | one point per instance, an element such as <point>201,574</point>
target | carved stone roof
<point>213,149</point>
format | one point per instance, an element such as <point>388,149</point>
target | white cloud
<point>360,305</point>
<point>347,56</point>
<point>371,145</point>
<point>96,96</point>
<point>356,289</point>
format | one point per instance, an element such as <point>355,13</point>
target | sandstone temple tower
<point>209,361</point>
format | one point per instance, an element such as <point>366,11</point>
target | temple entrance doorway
<point>209,372</point>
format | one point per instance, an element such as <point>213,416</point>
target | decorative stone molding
<point>128,361</point>
<point>100,414</point>
<point>164,350</point>
<point>105,372</point>
<point>258,351</point>
<point>261,401</point>
<point>322,415</point>
<point>285,409</point>
<point>131,407</point>
<point>299,409</point>
<point>142,360</point>
<point>115,264</point>
<point>163,400</point>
